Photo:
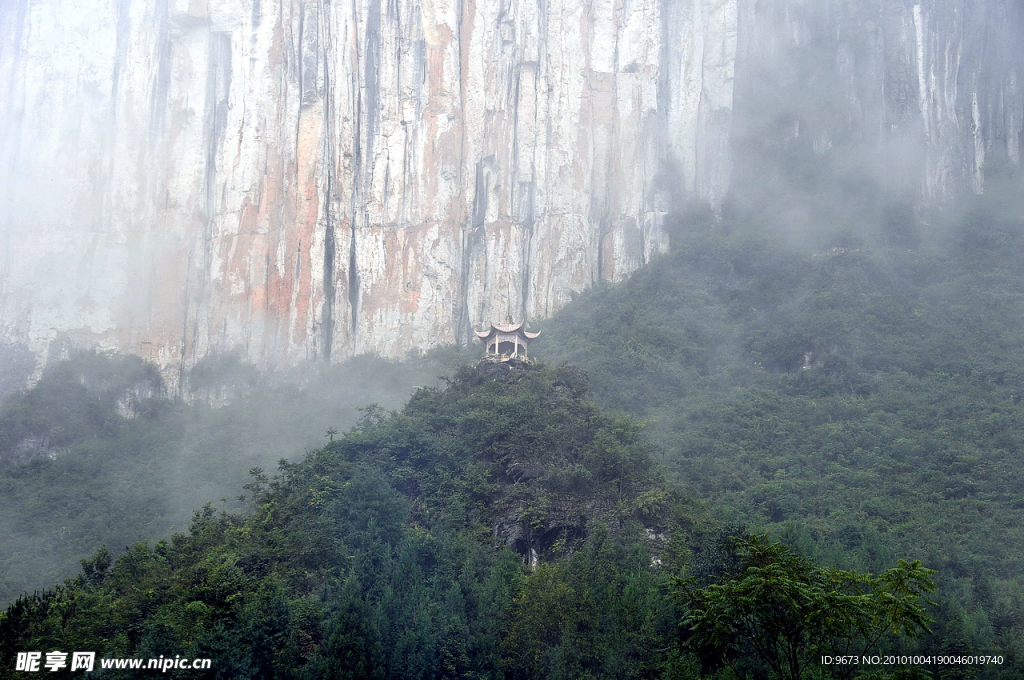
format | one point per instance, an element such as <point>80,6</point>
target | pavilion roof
<point>509,327</point>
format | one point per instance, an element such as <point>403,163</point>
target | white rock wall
<point>918,96</point>
<point>299,179</point>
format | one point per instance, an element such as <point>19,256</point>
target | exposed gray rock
<point>298,180</point>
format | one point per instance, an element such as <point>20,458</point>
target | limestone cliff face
<point>919,97</point>
<point>309,179</point>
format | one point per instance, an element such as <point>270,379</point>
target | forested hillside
<point>861,399</point>
<point>96,453</point>
<point>500,527</point>
<point>400,550</point>
<point>857,398</point>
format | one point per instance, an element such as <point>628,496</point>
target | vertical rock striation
<point>914,98</point>
<point>304,179</point>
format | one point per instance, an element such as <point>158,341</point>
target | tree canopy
<point>786,612</point>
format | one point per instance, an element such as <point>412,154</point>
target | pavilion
<point>506,340</point>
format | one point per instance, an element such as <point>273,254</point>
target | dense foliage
<point>777,609</point>
<point>400,550</point>
<point>862,401</point>
<point>96,453</point>
<point>500,527</point>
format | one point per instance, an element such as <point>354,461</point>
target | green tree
<point>782,610</point>
<point>352,646</point>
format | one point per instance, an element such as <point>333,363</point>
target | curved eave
<point>505,328</point>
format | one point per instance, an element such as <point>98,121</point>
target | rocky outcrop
<point>303,179</point>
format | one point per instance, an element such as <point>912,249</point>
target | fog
<point>181,183</point>
<point>874,121</point>
<point>215,223</point>
<point>98,453</point>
